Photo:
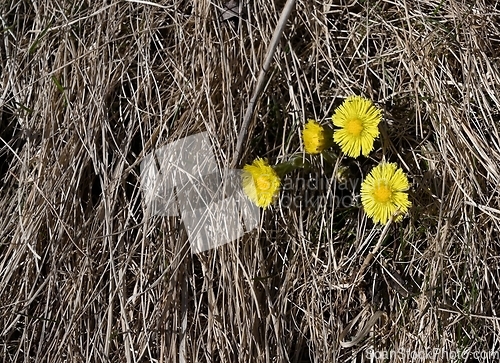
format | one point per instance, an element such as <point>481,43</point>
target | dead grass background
<point>88,88</point>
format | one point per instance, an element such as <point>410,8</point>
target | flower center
<point>382,193</point>
<point>354,126</point>
<point>263,182</point>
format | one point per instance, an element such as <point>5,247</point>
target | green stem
<point>296,162</point>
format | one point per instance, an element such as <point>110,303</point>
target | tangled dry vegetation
<point>87,89</point>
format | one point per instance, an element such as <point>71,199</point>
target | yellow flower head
<point>313,136</point>
<point>260,182</point>
<point>358,120</point>
<point>383,193</point>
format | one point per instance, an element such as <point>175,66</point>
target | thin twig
<point>368,259</point>
<point>363,332</point>
<point>278,32</point>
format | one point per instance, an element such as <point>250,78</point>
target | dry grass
<point>87,89</point>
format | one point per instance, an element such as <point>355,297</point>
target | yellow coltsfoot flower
<point>314,137</point>
<point>358,120</point>
<point>260,182</point>
<point>384,193</point>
